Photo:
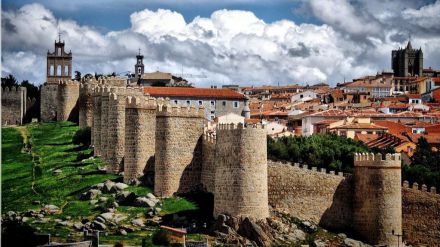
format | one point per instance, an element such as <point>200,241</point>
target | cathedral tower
<point>407,61</point>
<point>139,66</point>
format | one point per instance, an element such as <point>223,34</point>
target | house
<point>307,95</point>
<point>217,102</point>
<point>158,78</point>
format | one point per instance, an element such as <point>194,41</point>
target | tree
<point>425,156</point>
<point>77,75</point>
<point>9,81</point>
<point>32,91</point>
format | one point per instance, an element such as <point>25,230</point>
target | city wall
<point>13,105</point>
<point>322,197</point>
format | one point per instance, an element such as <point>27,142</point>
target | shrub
<point>82,137</point>
<point>161,237</point>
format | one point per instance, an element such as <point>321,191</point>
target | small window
<point>212,103</point>
<point>175,102</point>
<point>236,104</point>
<point>66,70</point>
<point>224,103</point>
<point>212,112</point>
<point>200,102</point>
<point>52,70</point>
<point>188,102</point>
<point>301,96</point>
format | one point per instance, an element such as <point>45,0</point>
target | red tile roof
<point>413,96</point>
<point>223,93</point>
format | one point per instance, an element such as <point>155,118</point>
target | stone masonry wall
<point>321,197</point>
<point>421,215</point>
<point>208,161</point>
<point>49,101</point>
<point>140,131</point>
<point>13,105</point>
<point>96,130</point>
<point>241,172</point>
<point>104,122</point>
<point>67,101</point>
<point>377,204</point>
<point>178,149</point>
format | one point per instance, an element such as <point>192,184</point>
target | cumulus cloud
<point>230,46</point>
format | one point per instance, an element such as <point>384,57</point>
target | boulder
<point>144,202</point>
<point>151,196</point>
<point>78,226</point>
<point>108,185</point>
<point>98,186</point>
<point>137,222</point>
<point>254,232</point>
<point>125,197</point>
<point>354,243</point>
<point>319,243</point>
<point>98,225</point>
<point>309,227</point>
<point>107,216</point>
<point>123,232</point>
<point>100,219</point>
<point>90,195</point>
<point>24,219</point>
<point>297,235</point>
<point>36,202</point>
<point>119,187</point>
<point>103,199</point>
<point>51,209</point>
<point>57,172</point>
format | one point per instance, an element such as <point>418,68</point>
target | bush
<point>161,237</point>
<point>82,137</point>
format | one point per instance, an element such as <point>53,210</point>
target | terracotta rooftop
<point>413,96</point>
<point>214,93</point>
<point>360,126</point>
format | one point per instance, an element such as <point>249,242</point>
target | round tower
<point>241,172</point>
<point>179,133</point>
<point>377,208</point>
<point>104,122</point>
<point>67,99</point>
<point>85,103</point>
<point>140,130</point>
<point>116,132</point>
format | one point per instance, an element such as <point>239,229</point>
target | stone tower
<point>241,172</point>
<point>86,103</point>
<point>96,130</point>
<point>179,134</point>
<point>116,132</point>
<point>59,67</point>
<point>139,66</point>
<point>67,100</point>
<point>377,208</point>
<point>140,131</point>
<point>407,61</point>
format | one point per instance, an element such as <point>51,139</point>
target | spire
<point>408,46</point>
<point>139,51</point>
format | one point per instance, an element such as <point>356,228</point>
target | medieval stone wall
<point>13,105</point>
<point>96,128</point>
<point>48,102</point>
<point>421,215</point>
<point>321,197</point>
<point>140,136</point>
<point>178,149</point>
<point>208,161</point>
<point>67,101</point>
<point>116,133</point>
<point>104,122</point>
<point>241,171</point>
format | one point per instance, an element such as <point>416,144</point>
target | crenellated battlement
<point>422,188</point>
<point>67,83</point>
<point>308,168</point>
<point>164,109</point>
<point>232,126</point>
<point>377,160</point>
<point>141,102</point>
<point>209,137</point>
<point>6,90</point>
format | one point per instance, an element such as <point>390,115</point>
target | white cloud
<point>230,46</point>
<point>427,16</point>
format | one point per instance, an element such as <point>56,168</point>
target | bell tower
<point>139,66</point>
<point>59,63</point>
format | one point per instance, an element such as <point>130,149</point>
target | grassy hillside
<point>28,177</point>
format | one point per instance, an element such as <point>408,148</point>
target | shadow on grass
<point>58,144</point>
<point>77,149</point>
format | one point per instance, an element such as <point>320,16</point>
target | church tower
<point>59,63</point>
<point>407,61</point>
<point>139,66</point>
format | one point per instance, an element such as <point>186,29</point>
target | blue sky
<point>114,15</point>
<point>246,42</point>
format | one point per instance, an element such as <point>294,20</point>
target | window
<point>224,103</point>
<point>212,103</point>
<point>200,102</point>
<point>52,70</point>
<point>66,70</point>
<point>236,104</point>
<point>59,51</point>
<point>301,96</point>
<point>188,102</point>
<point>176,102</point>
<point>59,70</point>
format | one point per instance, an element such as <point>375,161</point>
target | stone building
<point>216,102</point>
<point>407,61</point>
